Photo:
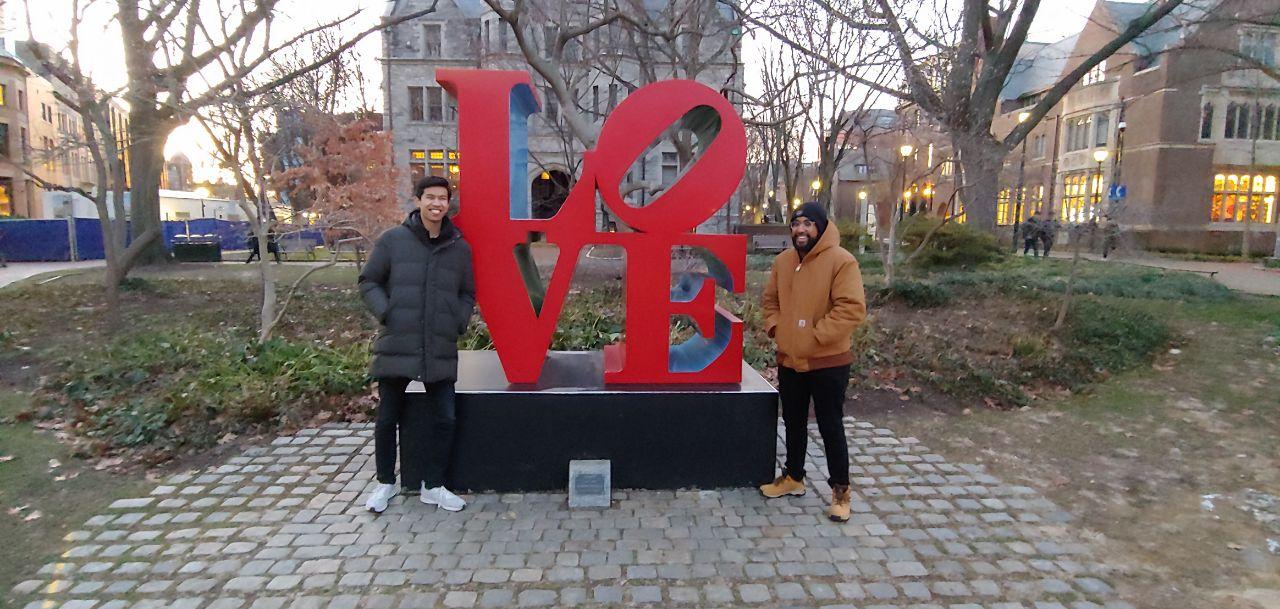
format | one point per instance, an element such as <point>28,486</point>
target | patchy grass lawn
<point>44,492</point>
<point>1141,457</point>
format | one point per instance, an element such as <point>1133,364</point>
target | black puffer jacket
<point>423,292</point>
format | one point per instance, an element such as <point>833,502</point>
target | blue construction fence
<point>51,240</point>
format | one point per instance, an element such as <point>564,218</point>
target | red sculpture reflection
<point>492,109</point>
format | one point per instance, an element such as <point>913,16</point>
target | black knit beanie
<point>815,212</point>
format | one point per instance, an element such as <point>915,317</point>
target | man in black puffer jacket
<point>418,283</point>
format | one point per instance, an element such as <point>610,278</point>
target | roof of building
<point>1038,66</point>
<point>9,57</point>
<point>875,118</point>
<point>469,8</point>
<point>1166,32</point>
<point>472,8</point>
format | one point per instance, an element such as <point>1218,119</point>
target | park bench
<point>294,243</point>
<point>1211,274</point>
<point>770,243</point>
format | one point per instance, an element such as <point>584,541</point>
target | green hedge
<point>952,246</point>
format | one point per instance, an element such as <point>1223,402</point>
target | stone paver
<point>283,525</point>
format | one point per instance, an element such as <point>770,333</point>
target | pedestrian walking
<point>1048,232</point>
<point>1031,235</point>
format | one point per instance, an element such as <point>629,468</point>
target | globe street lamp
<point>905,150</point>
<point>1099,156</point>
<point>1022,165</point>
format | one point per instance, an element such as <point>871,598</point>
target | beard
<point>806,247</point>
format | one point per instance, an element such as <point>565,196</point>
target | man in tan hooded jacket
<point>812,303</point>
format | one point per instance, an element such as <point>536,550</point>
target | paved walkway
<point>283,526</point>
<point>1248,277</point>
<point>17,271</point>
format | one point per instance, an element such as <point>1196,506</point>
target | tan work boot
<point>839,510</point>
<point>782,485</point>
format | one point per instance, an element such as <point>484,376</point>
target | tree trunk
<point>983,159</point>
<point>267,317</point>
<point>891,251</point>
<point>148,133</point>
<point>111,286</point>
<point>1065,306</point>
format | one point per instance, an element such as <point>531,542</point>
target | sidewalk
<point>1248,277</point>
<point>17,271</point>
<point>282,526</point>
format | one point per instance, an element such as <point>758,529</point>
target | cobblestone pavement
<point>283,526</point>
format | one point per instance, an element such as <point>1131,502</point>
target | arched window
<point>1269,130</point>
<point>1206,121</point>
<point>1233,111</point>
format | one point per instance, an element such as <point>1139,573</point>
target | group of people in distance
<point>420,286</point>
<point>1039,231</point>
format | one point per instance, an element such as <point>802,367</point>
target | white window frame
<point>1096,74</point>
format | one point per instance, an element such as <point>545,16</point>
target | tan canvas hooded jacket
<point>812,306</point>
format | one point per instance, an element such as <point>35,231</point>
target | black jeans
<point>826,388</point>
<point>1030,245</point>
<point>397,415</point>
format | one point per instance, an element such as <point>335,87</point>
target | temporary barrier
<point>35,240</point>
<point>81,238</point>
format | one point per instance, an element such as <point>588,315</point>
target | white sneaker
<point>440,496</point>
<point>377,501</point>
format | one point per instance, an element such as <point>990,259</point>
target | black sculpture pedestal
<point>521,438</point>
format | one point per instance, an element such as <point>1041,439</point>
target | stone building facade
<point>422,117</point>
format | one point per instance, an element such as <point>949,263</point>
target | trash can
<point>197,248</point>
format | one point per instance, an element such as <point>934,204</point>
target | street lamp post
<point>1022,166</point>
<point>905,150</point>
<point>862,216</point>
<point>1099,156</point>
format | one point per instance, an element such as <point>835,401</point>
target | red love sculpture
<point>493,107</point>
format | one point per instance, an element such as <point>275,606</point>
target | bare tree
<point>171,50</point>
<point>101,140</point>
<point>784,111</point>
<point>836,103</point>
<point>239,125</point>
<point>590,54</point>
<point>953,58</point>
<point>337,85</point>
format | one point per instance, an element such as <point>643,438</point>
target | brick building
<point>1199,151</point>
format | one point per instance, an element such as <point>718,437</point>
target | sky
<point>105,56</point>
